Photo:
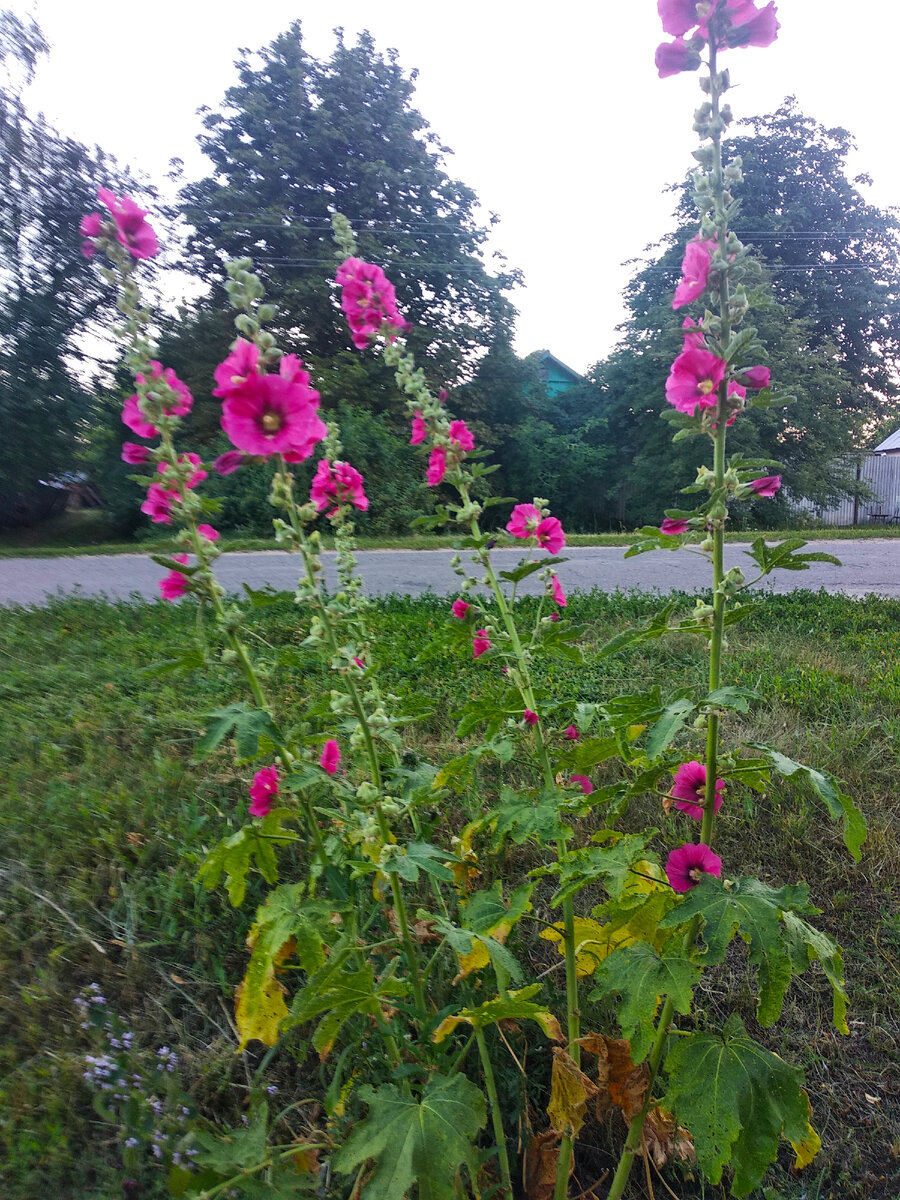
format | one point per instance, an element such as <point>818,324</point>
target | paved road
<point>869,566</point>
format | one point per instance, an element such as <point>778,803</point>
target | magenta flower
<point>158,504</point>
<point>549,534</point>
<point>571,733</point>
<point>459,608</point>
<point>233,373</point>
<point>263,790</point>
<point>419,429</point>
<point>135,419</point>
<point>677,16</point>
<point>558,594</point>
<point>330,757</point>
<point>135,234</point>
<point>672,58</point>
<point>437,466</point>
<point>480,643</point>
<point>694,272</point>
<point>207,532</point>
<point>229,462</point>
<point>529,717</point>
<point>461,435</point>
<point>671,527</point>
<point>735,389</point>
<point>693,380</point>
<point>196,476</point>
<point>693,335</point>
<point>523,521</point>
<point>290,367</point>
<point>337,484</point>
<point>90,227</point>
<point>688,863</point>
<point>767,486</point>
<point>269,415</point>
<point>369,301</point>
<point>756,378</point>
<point>689,790</point>
<point>360,663</point>
<point>177,404</point>
<point>583,782</point>
<point>756,28</point>
<point>134,454</point>
<point>174,585</point>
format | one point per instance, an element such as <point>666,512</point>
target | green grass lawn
<point>105,817</point>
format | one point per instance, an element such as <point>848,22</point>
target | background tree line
<point>296,138</point>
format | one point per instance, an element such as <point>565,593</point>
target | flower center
<point>705,386</point>
<point>271,422</point>
<point>695,874</point>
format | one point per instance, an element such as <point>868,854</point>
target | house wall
<point>882,473</point>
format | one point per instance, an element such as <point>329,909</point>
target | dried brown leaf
<point>541,1160</point>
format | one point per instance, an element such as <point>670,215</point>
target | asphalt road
<point>868,566</point>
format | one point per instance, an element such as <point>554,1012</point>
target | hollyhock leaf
<point>641,976</point>
<point>806,944</point>
<point>486,912</point>
<point>407,861</point>
<point>527,817</point>
<point>528,568</point>
<point>416,1141</point>
<point>784,556</point>
<point>739,343</point>
<point>249,726</point>
<point>593,943</point>
<point>232,858</point>
<point>265,596</point>
<point>570,1090</point>
<point>737,698</point>
<point>669,725</point>
<point>840,806</point>
<point>738,1100</point>
<point>190,661</point>
<point>515,1006</point>
<point>610,863</point>
<point>485,709</point>
<point>587,753</point>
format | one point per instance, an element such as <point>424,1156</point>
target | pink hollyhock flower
<point>290,368</point>
<point>549,534</point>
<point>523,521</point>
<point>419,429</point>
<point>554,616</point>
<point>369,301</point>
<point>459,608</point>
<point>767,486</point>
<point>735,389</point>
<point>558,594</point>
<point>583,782</point>
<point>688,863</point>
<point>693,380</point>
<point>331,756</point>
<point>360,663</point>
<point>480,643</point>
<point>694,272</point>
<point>437,466</point>
<point>135,419</point>
<point>670,527</point>
<point>756,378</point>
<point>176,405</point>
<point>461,435</point>
<point>195,460</point>
<point>229,462</point>
<point>271,415</point>
<point>693,337</point>
<point>263,790</point>
<point>761,29</point>
<point>90,227</point>
<point>207,531</point>
<point>689,790</point>
<point>233,373</point>
<point>571,733</point>
<point>443,396</point>
<point>174,585</point>
<point>672,58</point>
<point>158,505</point>
<point>131,229</point>
<point>337,484</point>
<point>677,16</point>
<point>134,454</point>
<point>529,717</point>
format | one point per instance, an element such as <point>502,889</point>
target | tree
<point>830,320</point>
<point>299,139</point>
<point>49,297</point>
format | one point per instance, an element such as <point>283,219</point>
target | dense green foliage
<point>106,816</point>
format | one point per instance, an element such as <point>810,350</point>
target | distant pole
<point>856,497</point>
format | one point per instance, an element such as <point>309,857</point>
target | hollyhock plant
<point>437,466</point>
<point>231,374</point>
<point>767,486</point>
<point>208,533</point>
<point>134,233</point>
<point>459,608</point>
<point>330,757</point>
<point>756,378</point>
<point>674,57</point>
<point>135,419</point>
<point>337,483</point>
<point>583,782</point>
<point>419,429</point>
<point>559,595</point>
<point>369,301</point>
<point>694,272</point>
<point>571,733</point>
<point>671,527</point>
<point>175,584</point>
<point>693,335</point>
<point>263,791</point>
<point>677,16</point>
<point>90,227</point>
<point>525,521</point>
<point>134,454</point>
<point>689,863</point>
<point>229,462</point>
<point>269,415</point>
<point>158,504</point>
<point>481,643</point>
<point>689,790</point>
<point>529,717</point>
<point>693,379</point>
<point>550,536</point>
<point>461,435</point>
<point>195,477</point>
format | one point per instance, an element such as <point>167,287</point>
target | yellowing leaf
<point>570,1090</point>
<point>259,1012</point>
<point>477,958</point>
<point>515,1005</point>
<point>633,732</point>
<point>593,942</point>
<point>645,877</point>
<point>809,1147</point>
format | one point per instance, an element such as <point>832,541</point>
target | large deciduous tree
<point>830,319</point>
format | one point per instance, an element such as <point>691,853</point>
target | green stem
<point>496,1116</point>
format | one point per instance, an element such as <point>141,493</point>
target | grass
<point>89,531</point>
<point>105,816</point>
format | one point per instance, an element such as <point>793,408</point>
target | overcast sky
<point>554,112</point>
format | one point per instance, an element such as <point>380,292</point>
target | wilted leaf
<point>541,1159</point>
<point>570,1090</point>
<point>513,1006</point>
<point>664,1140</point>
<point>593,942</point>
<point>259,1007</point>
<point>620,1083</point>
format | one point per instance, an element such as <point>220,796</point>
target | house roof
<point>892,442</point>
<point>546,359</point>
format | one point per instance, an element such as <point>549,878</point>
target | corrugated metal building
<point>880,469</point>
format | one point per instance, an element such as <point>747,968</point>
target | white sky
<point>554,112</point>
